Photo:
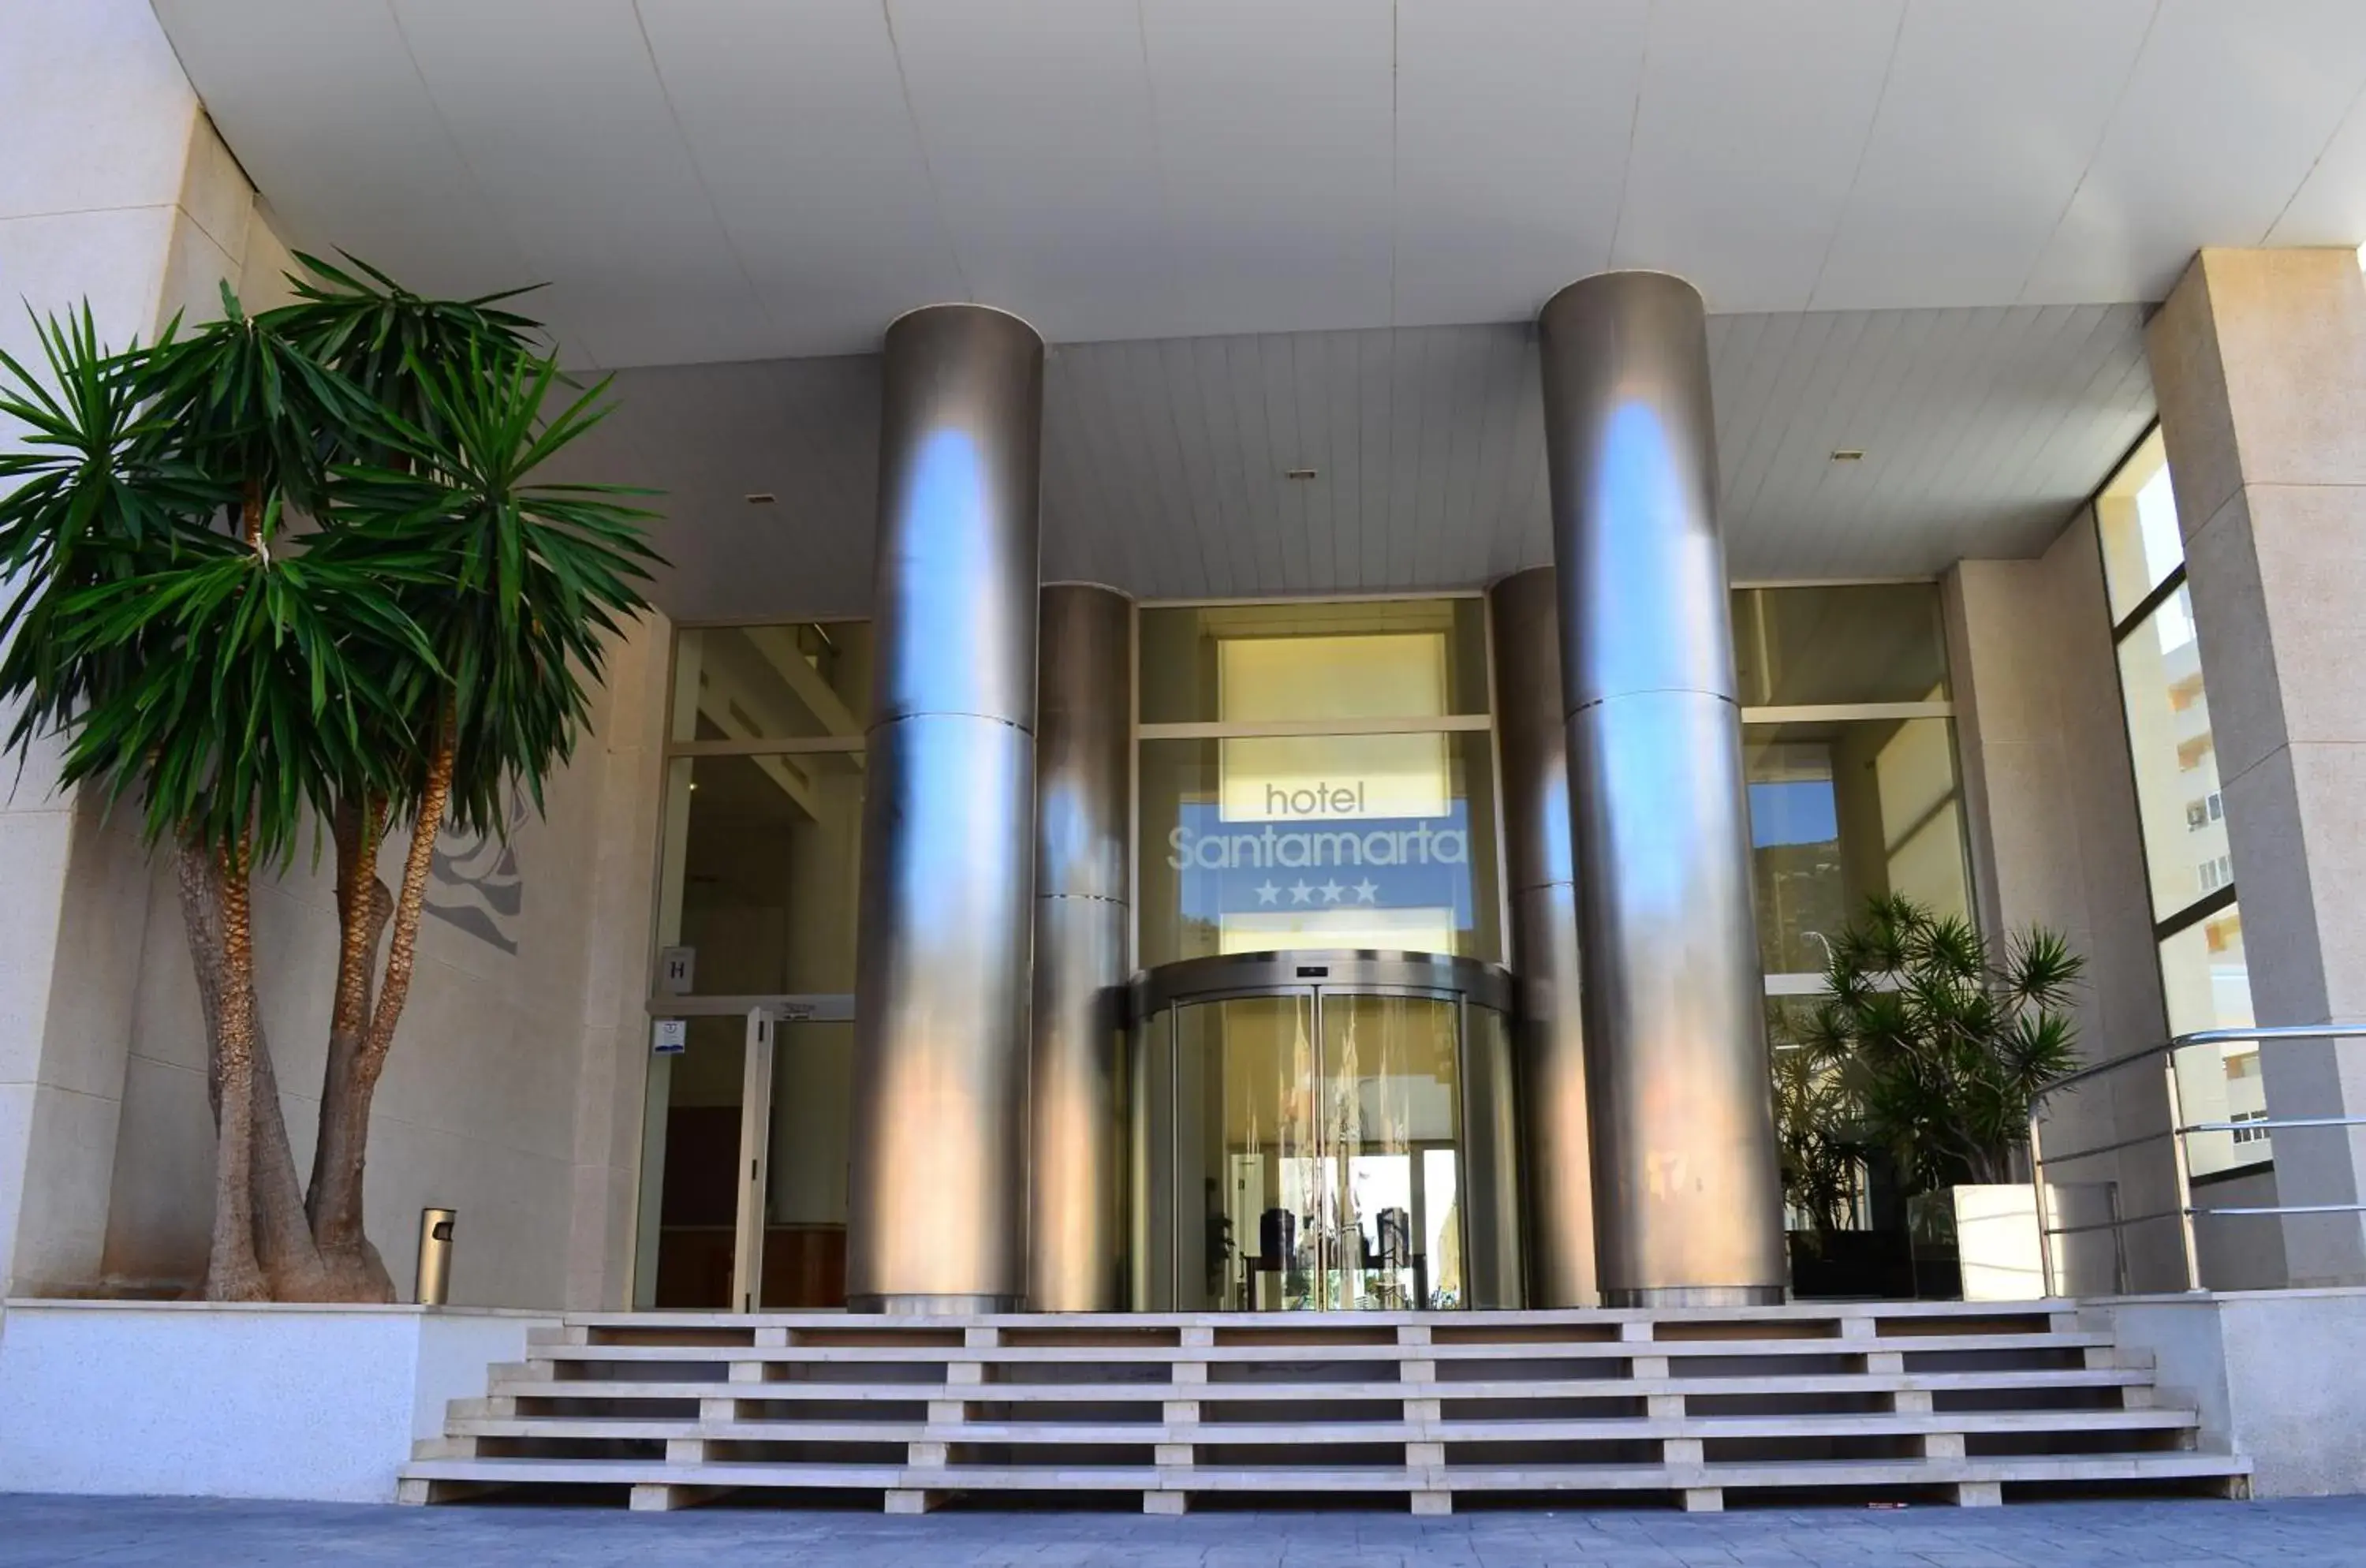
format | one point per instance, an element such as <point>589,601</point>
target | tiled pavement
<point>121,1531</point>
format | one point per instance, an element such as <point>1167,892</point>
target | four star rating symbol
<point>1303,892</point>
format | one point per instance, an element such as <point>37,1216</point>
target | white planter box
<point>194,1399</point>
<point>1996,1242</point>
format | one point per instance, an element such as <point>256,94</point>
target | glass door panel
<point>805,1164</point>
<point>1391,1111</point>
<point>1249,1180</point>
<point>697,1103</point>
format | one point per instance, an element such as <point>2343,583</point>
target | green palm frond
<point>246,707</point>
<point>100,494</point>
<point>255,567</point>
<point>374,333</point>
<point>530,578</point>
<point>1940,1051</point>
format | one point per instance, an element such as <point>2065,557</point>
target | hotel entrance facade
<point>1287,636</point>
<point>1308,1093</point>
<point>1204,987</point>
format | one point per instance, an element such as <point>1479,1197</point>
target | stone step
<point>1375,1389</point>
<point>1526,1430</point>
<point>1438,1403</point>
<point>1904,1313</point>
<point>458,1444</point>
<point>1503,1349</point>
<point>1287,1479</point>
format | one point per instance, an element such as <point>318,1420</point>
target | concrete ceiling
<point>702,180</point>
<point>1165,462</point>
<point>1272,234</point>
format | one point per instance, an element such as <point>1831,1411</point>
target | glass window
<point>2136,517</point>
<point>2206,979</point>
<point>695,1101</point>
<point>803,682</point>
<point>760,859</point>
<point>2175,756</point>
<point>756,889</point>
<point>808,1144</point>
<point>1872,643</point>
<point>1323,659</point>
<point>1844,810</point>
<point>2207,982</point>
<point>1343,841</point>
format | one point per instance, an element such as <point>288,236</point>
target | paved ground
<point>122,1531</point>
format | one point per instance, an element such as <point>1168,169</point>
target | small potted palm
<point>1930,1046</point>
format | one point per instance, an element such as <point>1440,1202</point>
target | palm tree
<point>1933,1047</point>
<point>1815,1139</point>
<point>188,651</point>
<point>526,582</point>
<point>293,569</point>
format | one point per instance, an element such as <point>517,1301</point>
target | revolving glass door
<point>1324,1132</point>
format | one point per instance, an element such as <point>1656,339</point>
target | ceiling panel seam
<point>1193,487</point>
<point>1634,128</point>
<point>2331,137</point>
<point>2087,165</point>
<point>698,171</point>
<point>468,166</point>
<point>1396,149</point>
<point>928,162</point>
<point>2058,397</point>
<point>1973,451</point>
<point>1856,172</point>
<point>1923,481</point>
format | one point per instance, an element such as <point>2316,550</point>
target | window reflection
<point>760,859</point>
<point>2136,516</point>
<point>1372,869</point>
<point>1313,660</point>
<point>756,897</point>
<point>1251,842</point>
<point>2207,982</point>
<point>1844,810</point>
<point>2175,756</point>
<point>1869,643</point>
<point>804,680</point>
<point>1322,1166</point>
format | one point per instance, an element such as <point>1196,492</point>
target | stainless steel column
<point>937,1196</point>
<point>1083,742</point>
<point>1531,729</point>
<point>1687,1203</point>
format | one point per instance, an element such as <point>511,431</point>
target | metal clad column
<point>936,1203</point>
<point>1082,815</point>
<point>1531,727</point>
<point>1687,1203</point>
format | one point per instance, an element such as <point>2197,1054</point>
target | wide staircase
<point>1969,1403</point>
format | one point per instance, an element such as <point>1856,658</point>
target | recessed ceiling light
<point>1298,473</point>
<point>1848,454</point>
<point>761,498</point>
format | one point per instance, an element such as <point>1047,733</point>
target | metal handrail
<point>2175,1133</point>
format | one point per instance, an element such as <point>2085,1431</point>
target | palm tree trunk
<point>282,1243</point>
<point>233,1273</point>
<point>332,1203</point>
<point>337,1214</point>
